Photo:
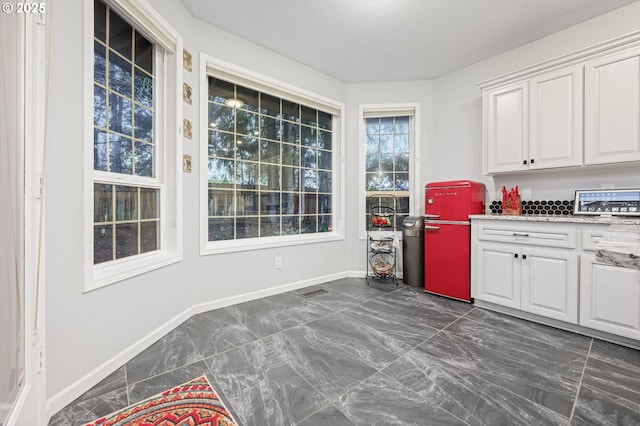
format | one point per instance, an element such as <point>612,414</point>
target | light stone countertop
<point>620,246</point>
<point>559,218</point>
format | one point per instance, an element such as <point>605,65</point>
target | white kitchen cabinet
<point>612,108</point>
<point>497,275</point>
<point>550,283</point>
<point>506,127</point>
<point>538,280</point>
<point>609,298</point>
<point>535,123</point>
<point>555,110</point>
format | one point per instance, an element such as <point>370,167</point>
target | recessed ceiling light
<point>234,103</point>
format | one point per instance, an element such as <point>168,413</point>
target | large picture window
<point>269,162</point>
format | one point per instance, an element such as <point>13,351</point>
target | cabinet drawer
<point>538,236</point>
<point>591,237</point>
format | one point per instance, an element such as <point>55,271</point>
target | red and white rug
<point>194,403</point>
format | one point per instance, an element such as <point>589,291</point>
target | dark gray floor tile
<point>216,331</point>
<point>115,380</point>
<point>358,288</point>
<point>359,339</point>
<point>596,407</point>
<point>613,379</point>
<point>301,308</point>
<point>91,409</point>
<point>329,366</point>
<point>536,384</point>
<point>380,400</point>
<point>552,336</point>
<point>519,346</point>
<point>261,387</point>
<point>150,387</point>
<point>332,300</point>
<point>474,400</point>
<point>329,415</point>
<point>261,317</point>
<point>174,350</point>
<point>616,355</point>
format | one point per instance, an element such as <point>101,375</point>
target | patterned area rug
<point>191,404</point>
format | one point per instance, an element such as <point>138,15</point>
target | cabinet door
<point>506,128</point>
<point>497,274</point>
<point>555,138</point>
<point>609,298</point>
<point>612,108</point>
<point>550,283</point>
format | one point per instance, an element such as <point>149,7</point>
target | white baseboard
<point>63,398</point>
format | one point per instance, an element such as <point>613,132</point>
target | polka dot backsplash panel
<point>544,207</point>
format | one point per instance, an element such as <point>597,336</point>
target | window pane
<point>126,240</point>
<point>402,143</point>
<point>290,203</point>
<point>247,123</point>
<point>126,203</point>
<point>247,203</point>
<point>325,223</point>
<point>220,90</point>
<point>386,163</point>
<point>99,150</point>
<point>290,132</point>
<point>309,116</point>
<point>99,20</point>
<point>246,174</point>
<point>309,136</point>
<point>324,203</point>
<point>144,124</point>
<point>290,225</point>
<point>269,152</point>
<point>290,111</point>
<point>386,143</point>
<point>270,203</point>
<point>102,203</point>
<point>99,63</point>
<point>221,203</point>
<point>120,35</point>
<point>402,125</point>
<point>291,178</point>
<point>120,154</point>
<point>221,144</point>
<point>249,97</point>
<point>309,224</point>
<point>221,117</point>
<point>324,181</point>
<point>99,106</point>
<point>270,128</point>
<point>309,204</point>
<point>324,160</point>
<point>270,105</point>
<point>324,120</point>
<point>221,229</point>
<point>324,140</point>
<point>247,227</point>
<point>120,114</point>
<point>290,154</point>
<point>247,148</point>
<point>149,203</point>
<point>386,125</point>
<point>269,226</point>
<point>309,157</point>
<point>372,161</point>
<point>119,74</point>
<point>310,180</point>
<point>221,172</point>
<point>143,88</point>
<point>402,181</point>
<point>402,162</point>
<point>144,53</point>
<point>149,236</point>
<point>102,244</point>
<point>270,177</point>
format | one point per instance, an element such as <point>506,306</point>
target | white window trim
<point>210,66</point>
<point>388,110</point>
<point>169,170</point>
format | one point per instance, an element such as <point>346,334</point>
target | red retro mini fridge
<point>447,236</point>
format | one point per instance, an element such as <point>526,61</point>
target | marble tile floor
<point>379,355</point>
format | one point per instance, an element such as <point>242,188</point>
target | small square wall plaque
<point>187,128</point>
<point>186,163</point>
<point>186,93</point>
<point>186,60</point>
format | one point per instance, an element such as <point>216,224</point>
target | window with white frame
<point>389,160</point>
<point>269,163</point>
<point>128,144</point>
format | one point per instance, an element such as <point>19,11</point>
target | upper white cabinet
<point>612,109</point>
<point>535,124</point>
<point>576,110</point>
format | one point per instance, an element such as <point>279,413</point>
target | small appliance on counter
<point>447,236</point>
<point>607,202</point>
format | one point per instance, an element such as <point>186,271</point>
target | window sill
<point>218,247</point>
<point>120,270</point>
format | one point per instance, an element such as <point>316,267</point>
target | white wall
<point>458,113</point>
<point>87,330</point>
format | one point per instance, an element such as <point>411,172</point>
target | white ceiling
<point>394,40</point>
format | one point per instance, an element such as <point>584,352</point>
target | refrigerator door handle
<point>431,216</point>
<point>431,228</point>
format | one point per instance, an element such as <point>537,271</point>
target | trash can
<point>413,251</point>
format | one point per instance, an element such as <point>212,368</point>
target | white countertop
<point>559,218</point>
<point>620,246</point>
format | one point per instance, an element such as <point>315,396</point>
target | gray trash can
<point>413,251</point>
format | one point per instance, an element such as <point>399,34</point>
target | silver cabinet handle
<point>516,234</point>
<point>431,216</point>
<point>432,228</point>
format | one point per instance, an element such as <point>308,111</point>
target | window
<point>128,143</point>
<point>390,157</point>
<point>270,171</point>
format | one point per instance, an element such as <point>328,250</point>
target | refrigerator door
<point>446,265</point>
<point>447,203</point>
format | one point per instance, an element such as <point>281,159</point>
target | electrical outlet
<point>278,262</point>
<point>607,186</point>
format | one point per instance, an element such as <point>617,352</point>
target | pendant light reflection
<point>234,103</point>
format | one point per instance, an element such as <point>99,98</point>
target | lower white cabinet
<point>609,298</point>
<point>538,280</point>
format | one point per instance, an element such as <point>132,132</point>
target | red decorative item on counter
<point>511,203</point>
